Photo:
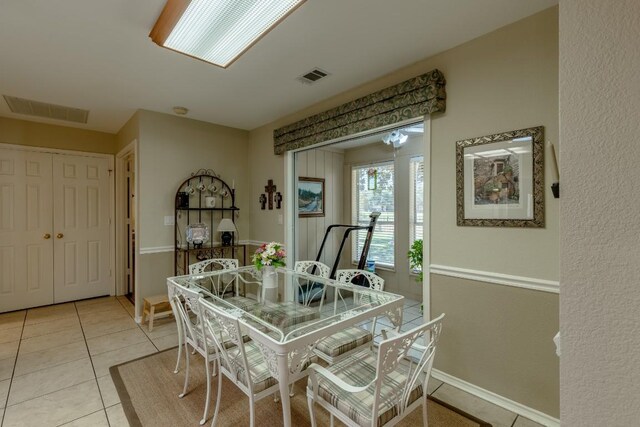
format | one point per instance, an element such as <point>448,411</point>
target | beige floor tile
<point>38,360</point>
<point>6,368</point>
<point>108,390</point>
<point>102,362</point>
<point>161,328</point>
<point>45,342</point>
<point>10,334</point>
<point>12,320</point>
<point>97,419</point>
<point>46,381</point>
<point>89,319</point>
<point>128,305</point>
<point>116,416</point>
<point>92,301</point>
<point>50,327</point>
<point>116,340</point>
<point>9,349</point>
<point>100,306</point>
<point>55,408</point>
<point>4,390</point>
<point>433,385</point>
<point>525,422</point>
<point>168,341</point>
<point>51,312</point>
<point>108,327</point>
<point>475,406</point>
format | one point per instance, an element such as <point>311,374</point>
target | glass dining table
<point>288,313</point>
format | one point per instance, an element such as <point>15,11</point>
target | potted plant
<point>415,258</point>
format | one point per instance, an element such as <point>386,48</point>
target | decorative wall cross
<point>263,201</point>
<point>270,189</point>
<point>278,200</point>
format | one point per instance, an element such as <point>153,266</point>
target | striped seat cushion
<point>260,375</point>
<point>285,315</point>
<point>360,370</point>
<point>344,341</point>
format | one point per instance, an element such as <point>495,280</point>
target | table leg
<point>283,368</point>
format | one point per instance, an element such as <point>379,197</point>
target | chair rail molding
<point>544,285</point>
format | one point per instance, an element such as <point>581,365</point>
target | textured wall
<point>600,255</point>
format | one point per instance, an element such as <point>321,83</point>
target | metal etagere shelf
<point>204,198</point>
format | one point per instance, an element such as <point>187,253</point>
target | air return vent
<point>49,111</point>
<point>312,76</point>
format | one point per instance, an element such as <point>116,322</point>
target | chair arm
<point>314,367</point>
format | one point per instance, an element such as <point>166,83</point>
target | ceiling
<point>96,55</point>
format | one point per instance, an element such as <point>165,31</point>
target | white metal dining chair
<point>309,291</point>
<point>352,339</point>
<point>379,387</point>
<point>242,363</point>
<point>184,301</point>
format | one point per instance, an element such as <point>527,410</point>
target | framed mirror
<point>500,179</point>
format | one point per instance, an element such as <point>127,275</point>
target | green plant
<point>415,258</point>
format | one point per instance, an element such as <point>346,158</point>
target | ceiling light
<point>218,31</point>
<point>181,111</point>
<point>395,138</point>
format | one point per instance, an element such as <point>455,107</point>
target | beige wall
<point>327,164</point>
<point>170,148</point>
<point>398,279</point>
<point>600,272</point>
<point>502,81</point>
<point>22,132</point>
<point>129,132</point>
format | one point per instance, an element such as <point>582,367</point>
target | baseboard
<point>532,283</point>
<point>496,399</point>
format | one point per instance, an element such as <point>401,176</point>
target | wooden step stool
<point>156,306</point>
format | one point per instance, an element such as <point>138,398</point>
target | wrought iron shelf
<point>232,208</point>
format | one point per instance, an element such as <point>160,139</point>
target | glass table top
<point>285,304</point>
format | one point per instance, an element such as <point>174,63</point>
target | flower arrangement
<point>269,254</point>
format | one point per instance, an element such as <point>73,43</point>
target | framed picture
<point>500,179</point>
<point>310,197</point>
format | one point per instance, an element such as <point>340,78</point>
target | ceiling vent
<point>49,111</point>
<point>312,76</point>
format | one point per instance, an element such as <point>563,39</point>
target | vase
<point>270,283</point>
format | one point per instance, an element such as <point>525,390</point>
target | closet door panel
<point>26,226</point>
<point>81,222</point>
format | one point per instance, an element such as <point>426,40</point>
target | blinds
<point>373,190</point>
<point>416,198</point>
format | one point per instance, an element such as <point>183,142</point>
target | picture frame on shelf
<point>500,179</point>
<point>311,201</point>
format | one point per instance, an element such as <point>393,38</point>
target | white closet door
<point>26,228</point>
<point>81,212</point>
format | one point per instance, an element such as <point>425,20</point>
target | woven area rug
<point>149,389</point>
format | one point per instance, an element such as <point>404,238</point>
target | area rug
<point>149,389</point>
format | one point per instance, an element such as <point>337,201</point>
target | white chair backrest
<point>315,268</point>
<point>221,283</point>
<point>223,328</point>
<point>213,264</point>
<point>309,291</point>
<point>361,277</point>
<point>184,300</point>
<point>393,356</point>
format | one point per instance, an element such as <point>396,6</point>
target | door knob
<point>59,235</point>
<point>47,236</point>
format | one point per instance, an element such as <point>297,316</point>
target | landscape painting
<point>310,197</point>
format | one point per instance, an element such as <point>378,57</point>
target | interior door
<point>81,212</point>
<point>26,243</point>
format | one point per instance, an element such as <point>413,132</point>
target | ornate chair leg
<point>186,373</point>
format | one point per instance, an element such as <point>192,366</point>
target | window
<point>372,190</point>
<point>416,198</point>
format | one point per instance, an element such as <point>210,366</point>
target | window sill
<point>382,267</point>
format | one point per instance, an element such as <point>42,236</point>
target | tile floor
<point>54,364</point>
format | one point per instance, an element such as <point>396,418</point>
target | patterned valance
<point>413,98</point>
